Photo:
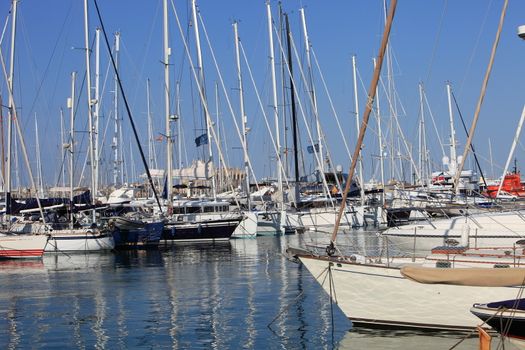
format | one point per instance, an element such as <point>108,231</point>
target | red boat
<point>511,185</point>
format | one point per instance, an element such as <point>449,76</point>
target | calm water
<point>209,296</point>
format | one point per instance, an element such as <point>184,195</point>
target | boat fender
<point>357,259</point>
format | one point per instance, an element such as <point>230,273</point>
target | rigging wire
<point>433,122</point>
<point>475,48</point>
<point>467,134</point>
<point>436,41</point>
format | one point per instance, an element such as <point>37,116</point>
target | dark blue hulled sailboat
<point>507,317</point>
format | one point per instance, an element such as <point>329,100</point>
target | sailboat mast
<point>244,118</point>
<point>356,104</point>
<point>96,111</point>
<point>40,192</point>
<point>312,91</point>
<point>71,145</point>
<point>167,52</point>
<point>220,179</point>
<point>150,126</point>
<point>452,164</point>
<point>274,102</point>
<point>203,92</point>
<point>420,134</point>
<point>62,143</point>
<point>151,138</point>
<point>116,144</point>
<point>293,110</point>
<point>380,141</point>
<point>179,132</point>
<point>11,106</point>
<point>90,105</point>
<point>284,110</point>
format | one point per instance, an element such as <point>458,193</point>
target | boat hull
<point>377,295</point>
<point>79,241</point>
<point>22,246</point>
<point>247,228</point>
<point>211,230</point>
<point>123,223</point>
<point>147,236</point>
<point>506,319</point>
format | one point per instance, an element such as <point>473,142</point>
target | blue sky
<point>432,42</point>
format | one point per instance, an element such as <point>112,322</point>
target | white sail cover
<point>198,170</point>
<point>483,277</point>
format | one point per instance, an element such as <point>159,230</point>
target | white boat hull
<point>258,224</point>
<point>79,241</point>
<point>247,228</point>
<point>378,295</point>
<point>22,246</point>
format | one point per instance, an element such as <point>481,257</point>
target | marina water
<point>237,294</point>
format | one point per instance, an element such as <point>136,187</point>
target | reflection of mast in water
<point>300,310</point>
<point>172,298</point>
<point>248,265</point>
<point>247,252</point>
<point>77,322</point>
<point>250,315</point>
<point>156,293</point>
<point>14,339</point>
<point>284,297</point>
<point>122,331</point>
<point>216,305</point>
<point>100,312</point>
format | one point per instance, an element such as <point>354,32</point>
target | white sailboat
<point>378,294</point>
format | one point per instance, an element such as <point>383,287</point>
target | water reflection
<point>181,296</point>
<point>186,296</point>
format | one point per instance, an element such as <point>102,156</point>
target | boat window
<point>178,210</point>
<point>208,209</point>
<point>193,210</point>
